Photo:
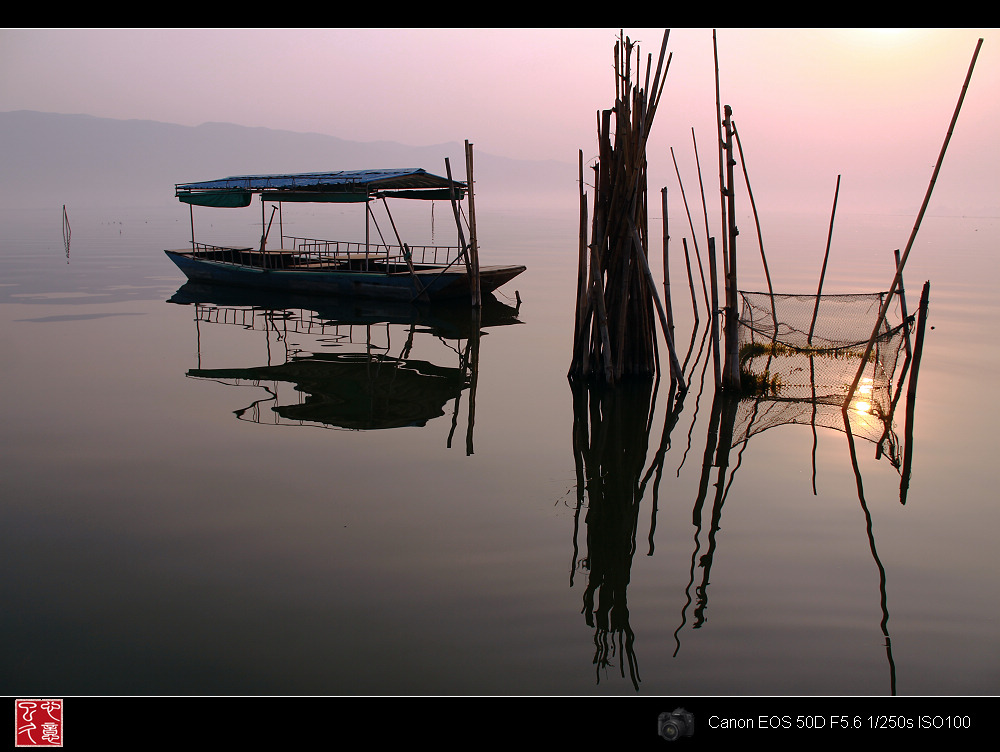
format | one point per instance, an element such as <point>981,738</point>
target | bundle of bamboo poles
<point>617,304</point>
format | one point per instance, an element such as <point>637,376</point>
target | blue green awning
<point>343,186</point>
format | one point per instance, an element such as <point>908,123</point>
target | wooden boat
<point>373,268</point>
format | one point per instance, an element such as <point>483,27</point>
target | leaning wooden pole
<point>911,393</point>
<point>826,257</point>
<point>458,219</point>
<point>756,219</point>
<point>694,235</point>
<point>902,307</point>
<point>675,365</point>
<point>701,185</point>
<point>913,235</point>
<point>694,297</point>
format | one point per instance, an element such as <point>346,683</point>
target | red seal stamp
<point>38,723</point>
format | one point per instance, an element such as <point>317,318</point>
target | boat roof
<point>340,186</point>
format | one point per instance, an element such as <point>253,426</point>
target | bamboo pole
<point>458,219</point>
<point>596,252</point>
<point>701,185</point>
<point>694,297</point>
<point>622,302</point>
<point>731,375</point>
<point>477,298</point>
<point>913,234</point>
<point>666,264</point>
<point>902,306</point>
<point>911,393</point>
<point>421,291</point>
<point>714,318</point>
<point>367,224</point>
<point>473,366</point>
<point>392,222</point>
<point>602,313</point>
<point>756,219</point>
<point>267,231</point>
<point>694,236</point>
<point>582,307</point>
<point>826,256</point>
<point>674,363</point>
<point>407,256</point>
<point>722,147</point>
<point>68,233</point>
<point>263,213</point>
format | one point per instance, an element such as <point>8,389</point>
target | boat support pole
<point>263,240</point>
<point>458,223</point>
<point>473,236</point>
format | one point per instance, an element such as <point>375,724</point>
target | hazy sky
<point>872,105</point>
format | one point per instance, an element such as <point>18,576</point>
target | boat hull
<point>429,284</point>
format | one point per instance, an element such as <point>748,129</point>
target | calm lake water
<point>202,495</point>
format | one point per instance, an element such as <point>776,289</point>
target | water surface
<point>178,517</point>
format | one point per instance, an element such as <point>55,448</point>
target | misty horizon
<point>870,105</point>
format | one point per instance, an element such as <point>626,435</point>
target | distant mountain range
<point>53,159</point>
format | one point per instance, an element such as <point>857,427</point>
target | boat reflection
<point>347,364</point>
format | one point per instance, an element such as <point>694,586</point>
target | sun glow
<point>862,402</point>
<point>883,35</point>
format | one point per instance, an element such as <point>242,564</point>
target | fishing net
<point>802,359</point>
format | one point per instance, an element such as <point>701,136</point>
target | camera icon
<point>674,725</point>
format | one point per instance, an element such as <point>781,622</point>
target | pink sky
<point>871,105</point>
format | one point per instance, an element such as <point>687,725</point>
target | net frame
<point>798,361</point>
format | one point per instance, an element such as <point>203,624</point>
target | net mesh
<point>801,360</point>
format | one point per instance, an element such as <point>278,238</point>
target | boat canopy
<point>346,186</point>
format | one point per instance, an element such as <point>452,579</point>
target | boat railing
<point>300,252</point>
<point>240,255</point>
<point>336,250</point>
<point>207,249</point>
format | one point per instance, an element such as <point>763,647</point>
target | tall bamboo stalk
<point>722,149</point>
<point>582,297</point>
